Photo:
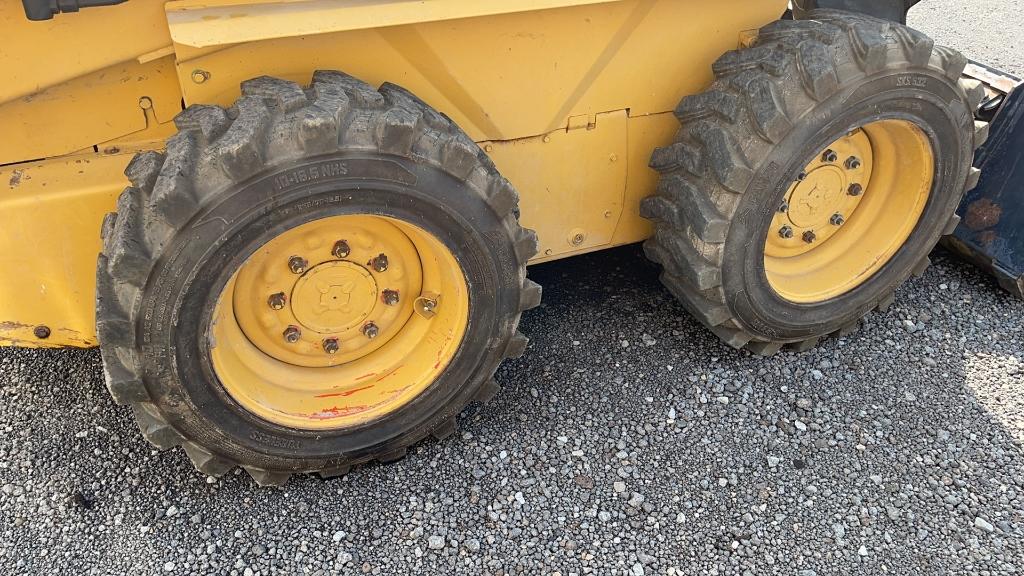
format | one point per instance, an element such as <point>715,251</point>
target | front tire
<point>771,226</point>
<point>315,278</point>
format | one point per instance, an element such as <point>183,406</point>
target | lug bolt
<point>330,345</point>
<point>277,301</point>
<point>801,176</point>
<point>297,264</point>
<point>390,297</point>
<point>380,263</point>
<point>292,334</point>
<point>829,156</point>
<point>855,190</point>
<point>852,163</point>
<point>837,219</point>
<point>809,236</point>
<point>341,249</point>
<point>429,305</point>
<point>786,232</point>
<point>370,330</point>
<point>784,207</point>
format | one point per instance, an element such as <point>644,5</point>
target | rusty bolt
<point>292,334</point>
<point>200,76</point>
<point>837,219</point>
<point>297,264</point>
<point>786,232</point>
<point>829,156</point>
<point>809,236</point>
<point>370,330</point>
<point>380,263</point>
<point>41,332</point>
<point>855,189</point>
<point>852,163</point>
<point>390,297</point>
<point>784,207</point>
<point>341,249</point>
<point>330,345</point>
<point>277,301</point>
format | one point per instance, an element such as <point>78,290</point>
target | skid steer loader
<point>314,217</point>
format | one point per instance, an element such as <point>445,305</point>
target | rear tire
<point>230,181</point>
<point>772,108</point>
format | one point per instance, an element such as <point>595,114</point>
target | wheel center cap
<point>334,297</point>
<point>815,199</point>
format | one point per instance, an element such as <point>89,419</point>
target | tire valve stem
<point>292,334</point>
<point>297,264</point>
<point>852,163</point>
<point>330,345</point>
<point>277,301</point>
<point>809,236</point>
<point>380,263</point>
<point>786,232</point>
<point>837,219</point>
<point>341,249</point>
<point>390,297</point>
<point>829,156</point>
<point>855,190</point>
<point>370,330</point>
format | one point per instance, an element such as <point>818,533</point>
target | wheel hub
<point>817,198</point>
<point>334,297</point>
<point>822,194</point>
<point>320,328</point>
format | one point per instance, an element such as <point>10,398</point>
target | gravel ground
<point>626,441</point>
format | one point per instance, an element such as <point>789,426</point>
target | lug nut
<point>837,219</point>
<point>292,334</point>
<point>784,207</point>
<point>829,156</point>
<point>297,264</point>
<point>277,301</point>
<point>801,176</point>
<point>809,236</point>
<point>390,297</point>
<point>786,232</point>
<point>330,345</point>
<point>370,330</point>
<point>855,190</point>
<point>341,249</point>
<point>852,163</point>
<point>380,263</point>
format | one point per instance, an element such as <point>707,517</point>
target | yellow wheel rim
<point>849,212</point>
<point>339,322</point>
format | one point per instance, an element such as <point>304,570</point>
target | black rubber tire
<point>772,107</point>
<point>232,179</point>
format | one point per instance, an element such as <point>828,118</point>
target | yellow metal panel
<point>49,240</point>
<point>202,23</point>
<point>88,110</point>
<point>512,75</point>
<point>35,55</point>
<point>574,202</point>
<point>508,79</point>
